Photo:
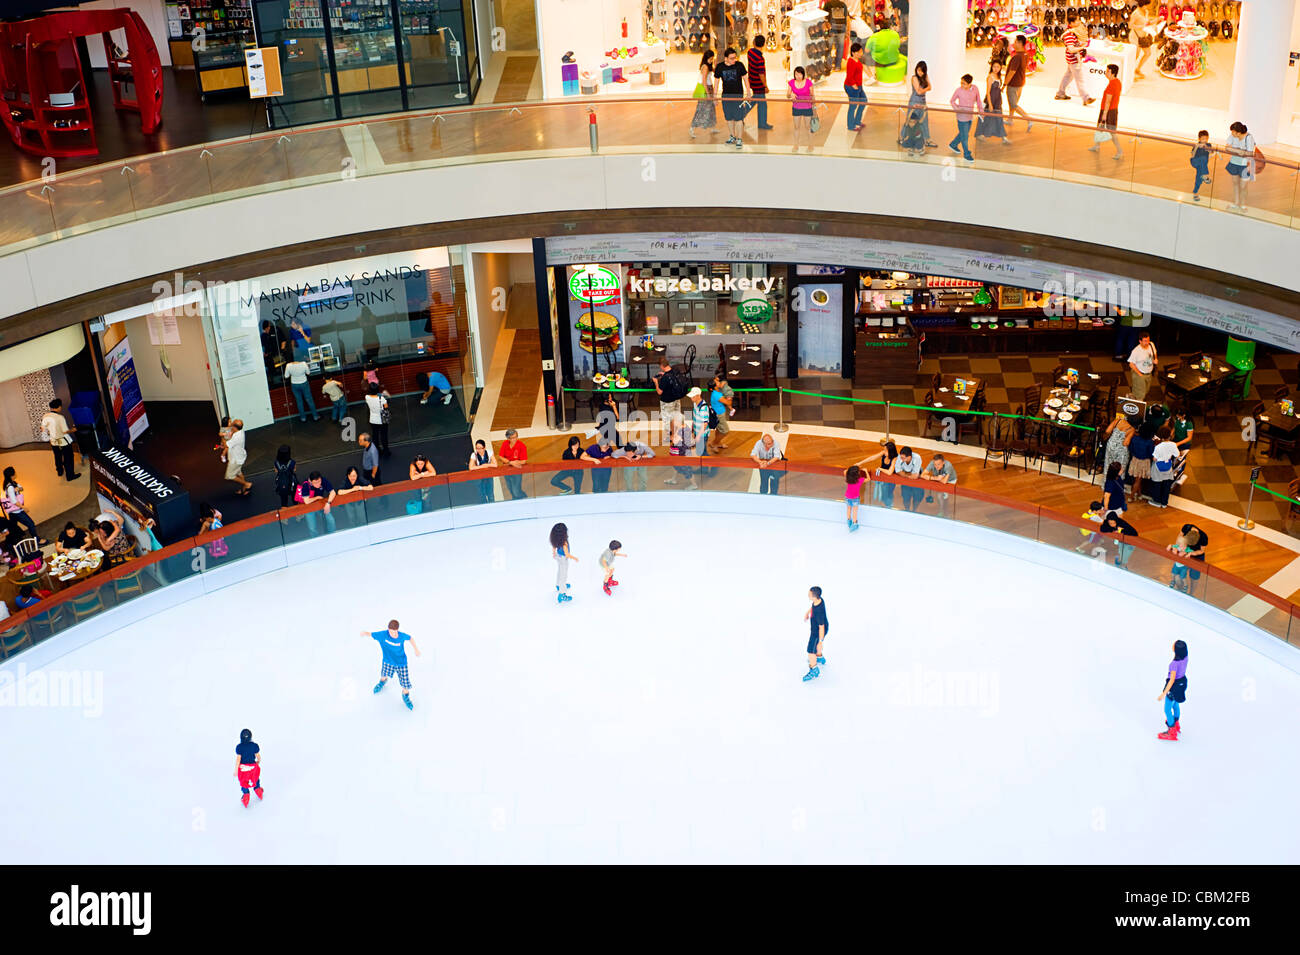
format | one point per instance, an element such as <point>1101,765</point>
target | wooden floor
<point>516,79</point>
<point>522,382</point>
<point>1245,555</point>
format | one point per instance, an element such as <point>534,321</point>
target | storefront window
<point>343,58</point>
<point>399,321</point>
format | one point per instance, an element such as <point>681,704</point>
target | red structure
<point>45,108</point>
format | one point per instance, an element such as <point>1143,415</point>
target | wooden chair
<point>1293,492</point>
<point>996,445</point>
<point>932,417</point>
<point>27,549</point>
<point>14,640</point>
<point>49,619</point>
<point>935,382</point>
<point>1280,392</point>
<point>1278,446</point>
<point>1018,441</point>
<point>973,423</point>
<point>86,606</point>
<point>1034,396</point>
<point>128,585</point>
<point>1255,413</point>
<point>688,363</point>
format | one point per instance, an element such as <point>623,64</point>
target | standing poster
<point>124,388</point>
<point>821,328</point>
<point>596,318</point>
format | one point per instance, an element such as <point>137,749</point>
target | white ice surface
<point>667,723</point>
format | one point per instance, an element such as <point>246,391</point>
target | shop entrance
<point>820,311</point>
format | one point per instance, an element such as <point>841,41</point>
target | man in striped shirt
<point>758,79</point>
<point>1076,47</point>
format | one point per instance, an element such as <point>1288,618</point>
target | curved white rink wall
<point>268,220</point>
<point>954,537</point>
<point>970,715</point>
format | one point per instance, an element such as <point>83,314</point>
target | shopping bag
<point>700,91</point>
<point>1100,136</point>
<point>414,506</point>
<point>814,124</point>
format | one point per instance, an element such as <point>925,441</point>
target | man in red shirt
<point>1076,46</point>
<point>1109,116</point>
<point>757,67</point>
<point>853,87</point>
<point>515,455</point>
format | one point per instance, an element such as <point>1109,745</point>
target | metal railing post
<point>1246,524</point>
<point>887,419</point>
<point>781,427</point>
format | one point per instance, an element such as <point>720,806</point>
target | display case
<point>220,68</point>
<point>197,25</point>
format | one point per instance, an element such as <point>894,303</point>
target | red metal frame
<point>38,58</point>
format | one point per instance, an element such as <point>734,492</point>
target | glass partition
<point>78,601</point>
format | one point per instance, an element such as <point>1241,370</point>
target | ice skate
<point>380,685</point>
<point>406,698</point>
<point>244,800</point>
<point>605,587</point>
<point>258,790</point>
<point>821,661</point>
<point>812,674</point>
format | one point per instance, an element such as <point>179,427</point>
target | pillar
<point>1261,71</point>
<point>937,34</point>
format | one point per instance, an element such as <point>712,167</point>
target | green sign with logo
<point>755,311</point>
<point>594,285</point>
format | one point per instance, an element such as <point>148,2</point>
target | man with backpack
<point>671,386</point>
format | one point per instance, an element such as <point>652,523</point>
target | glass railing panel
<point>27,213</point>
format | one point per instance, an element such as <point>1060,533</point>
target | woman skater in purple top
<point>1175,691</point>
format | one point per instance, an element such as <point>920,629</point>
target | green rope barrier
<point>987,414</point>
<point>1275,493</point>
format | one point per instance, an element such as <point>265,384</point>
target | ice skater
<point>854,480</point>
<point>1175,692</point>
<point>391,643</point>
<point>562,554</point>
<point>816,617</point>
<point>248,766</point>
<point>607,556</point>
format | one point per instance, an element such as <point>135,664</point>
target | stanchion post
<point>1246,524</point>
<point>886,419</point>
<point>564,418</point>
<point>781,427</point>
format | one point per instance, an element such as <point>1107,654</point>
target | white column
<point>937,34</point>
<point>1261,71</point>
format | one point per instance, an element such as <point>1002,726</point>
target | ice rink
<point>976,707</point>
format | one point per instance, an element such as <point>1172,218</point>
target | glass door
<point>367,60</point>
<point>297,29</point>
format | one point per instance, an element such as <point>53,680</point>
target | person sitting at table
<point>573,452</point>
<point>908,465</point>
<point>941,471</point>
<point>71,537</point>
<point>1115,525</point>
<point>113,540</point>
<point>27,597</point>
<point>1184,429</point>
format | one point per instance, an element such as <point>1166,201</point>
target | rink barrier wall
<point>189,209</point>
<point>212,561</point>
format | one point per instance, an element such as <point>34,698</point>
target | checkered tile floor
<point>1219,466</point>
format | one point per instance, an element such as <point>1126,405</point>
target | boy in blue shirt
<point>391,643</point>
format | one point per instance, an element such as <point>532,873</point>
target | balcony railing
<point>67,204</point>
<point>283,538</point>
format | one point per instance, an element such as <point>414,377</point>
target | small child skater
<point>1200,162</point>
<point>854,480</point>
<point>562,554</point>
<point>1178,578</point>
<point>607,556</point>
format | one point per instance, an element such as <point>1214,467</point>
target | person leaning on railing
<point>768,456</point>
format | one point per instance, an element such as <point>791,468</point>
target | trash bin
<point>1241,355</point>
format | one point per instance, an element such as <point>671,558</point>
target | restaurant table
<point>623,396</point>
<point>947,399</point>
<point>744,363</point>
<point>1189,379</point>
<point>646,357</point>
<point>1072,408</point>
<point>1274,421</point>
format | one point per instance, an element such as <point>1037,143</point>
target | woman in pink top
<point>801,94</point>
<point>854,480</point>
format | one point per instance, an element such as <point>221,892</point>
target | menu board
<point>1238,320</point>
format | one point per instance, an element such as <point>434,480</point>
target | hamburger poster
<point>596,318</point>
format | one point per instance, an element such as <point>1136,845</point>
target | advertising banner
<point>124,391</point>
<point>596,318</point>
